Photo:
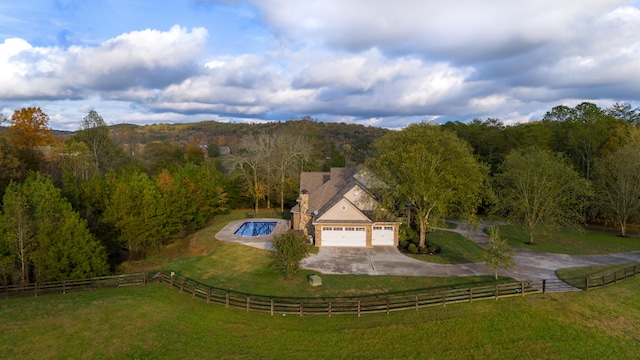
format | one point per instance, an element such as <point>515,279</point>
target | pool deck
<point>261,241</point>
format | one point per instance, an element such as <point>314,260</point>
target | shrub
<point>424,250</point>
<point>413,248</point>
<point>290,248</point>
<point>404,243</point>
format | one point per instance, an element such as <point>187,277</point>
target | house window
<point>343,207</point>
<point>360,229</point>
<point>337,229</point>
<point>349,229</point>
<point>377,228</point>
<point>327,228</point>
<point>388,228</point>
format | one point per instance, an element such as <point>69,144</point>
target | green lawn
<point>456,249</point>
<point>155,322</point>
<point>245,269</point>
<point>569,241</point>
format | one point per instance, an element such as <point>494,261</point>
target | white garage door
<point>382,235</point>
<point>344,236</point>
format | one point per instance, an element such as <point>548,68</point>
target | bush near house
<point>290,248</point>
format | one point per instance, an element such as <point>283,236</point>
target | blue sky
<point>378,63</point>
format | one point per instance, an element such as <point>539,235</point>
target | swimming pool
<point>255,228</point>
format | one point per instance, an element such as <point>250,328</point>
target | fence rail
<point>380,303</point>
<point>67,286</point>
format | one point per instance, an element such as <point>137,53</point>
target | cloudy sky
<point>372,62</point>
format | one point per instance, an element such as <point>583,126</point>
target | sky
<point>370,62</point>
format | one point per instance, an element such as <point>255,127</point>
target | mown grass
<point>569,241</point>
<point>155,322</point>
<point>456,249</point>
<point>245,269</point>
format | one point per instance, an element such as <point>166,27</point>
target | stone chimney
<point>304,212</point>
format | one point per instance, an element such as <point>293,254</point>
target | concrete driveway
<point>530,265</point>
<point>384,260</point>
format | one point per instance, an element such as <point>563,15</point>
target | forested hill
<point>335,134</point>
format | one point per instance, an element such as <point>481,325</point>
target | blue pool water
<point>256,228</point>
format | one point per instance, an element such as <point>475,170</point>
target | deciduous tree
<point>432,170</point>
<point>538,188</point>
<point>290,248</point>
<point>497,255</point>
<point>617,186</point>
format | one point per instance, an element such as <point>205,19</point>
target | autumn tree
<point>430,169</point>
<point>617,186</point>
<point>29,129</point>
<point>538,188</point>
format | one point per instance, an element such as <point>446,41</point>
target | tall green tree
<point>432,170</point>
<point>617,186</point>
<point>290,248</point>
<point>48,235</point>
<point>538,188</point>
<point>135,209</point>
<point>94,132</point>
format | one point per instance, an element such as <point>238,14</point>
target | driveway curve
<point>530,264</point>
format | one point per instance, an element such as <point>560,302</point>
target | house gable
<point>343,211</point>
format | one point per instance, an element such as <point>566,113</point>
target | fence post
<point>602,280</point>
<point>248,302</point>
<point>496,289</point>
<point>144,278</point>
<point>470,294</point>
<point>64,286</point>
<point>209,295</point>
<point>226,301</point>
<point>329,308</point>
<point>444,298</point>
<point>416,302</point>
<point>35,289</point>
<point>387,305</point>
<point>358,308</point>
<point>271,307</point>
<point>193,294</point>
<point>522,288</point>
<point>544,286</point>
<point>586,283</point>
<point>6,291</point>
<point>615,277</point>
<point>301,309</point>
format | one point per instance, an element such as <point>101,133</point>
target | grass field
<point>155,322</point>
<point>569,241</point>
<point>575,276</point>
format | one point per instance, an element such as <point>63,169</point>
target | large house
<point>337,209</point>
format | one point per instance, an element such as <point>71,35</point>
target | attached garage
<point>383,236</point>
<point>346,236</point>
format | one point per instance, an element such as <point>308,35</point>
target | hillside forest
<point>78,204</point>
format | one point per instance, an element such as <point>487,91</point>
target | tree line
<point>113,197</point>
<point>576,165</point>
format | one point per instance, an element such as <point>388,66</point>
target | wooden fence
<point>381,303</point>
<point>610,278</point>
<point>67,286</point>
